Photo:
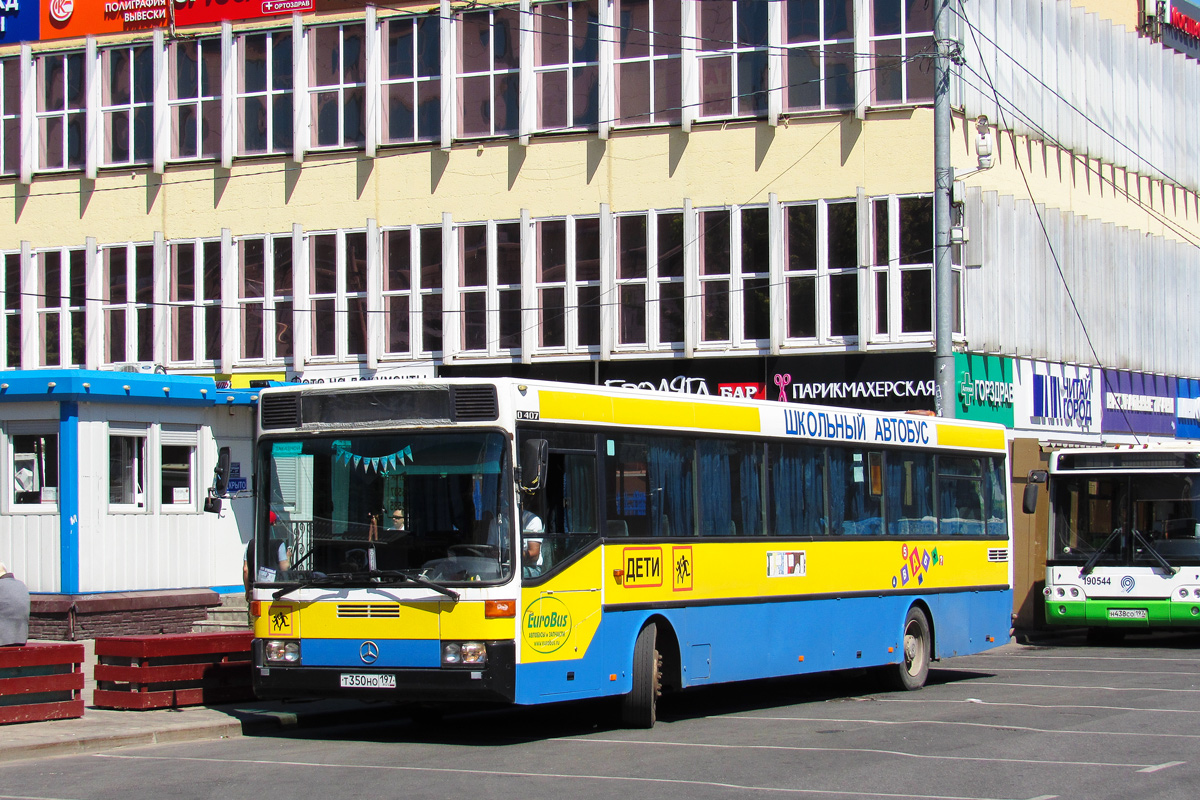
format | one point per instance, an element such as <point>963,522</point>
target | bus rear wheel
<point>916,653</point>
<point>639,708</point>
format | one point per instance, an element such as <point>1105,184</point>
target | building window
<point>632,279</point>
<point>397,291</point>
<point>903,50</point>
<point>488,66</point>
<point>916,264</point>
<point>337,75</point>
<point>753,299</point>
<point>264,99</point>
<point>714,275</point>
<point>128,303</point>
<point>733,57</point>
<point>10,115</point>
<point>265,297</point>
<point>650,282</point>
<point>567,64</point>
<point>177,467</point>
<point>568,283</point>
<point>127,468</point>
<point>60,111</point>
<point>338,293</point>
<point>195,86</point>
<point>648,61</point>
<point>821,270</point>
<point>62,289</point>
<point>490,287</point>
<point>412,84</point>
<point>195,293</point>
<point>127,105</point>
<point>12,310</point>
<point>34,465</point>
<point>819,52</point>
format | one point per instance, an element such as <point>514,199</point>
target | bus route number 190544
<point>1097,580</point>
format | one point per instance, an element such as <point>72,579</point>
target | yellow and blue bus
<point>1124,553</point>
<point>521,542</point>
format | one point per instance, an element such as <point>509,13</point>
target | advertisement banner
<point>1187,408</point>
<point>1056,397</point>
<point>984,388</point>
<point>19,21</point>
<point>883,382</point>
<point>1138,403</point>
<point>61,19</point>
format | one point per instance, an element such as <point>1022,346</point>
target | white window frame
<point>915,54</point>
<point>492,290</point>
<point>8,470</point>
<point>823,276</point>
<point>64,118</point>
<point>411,84</point>
<point>344,86</point>
<point>131,308</point>
<point>741,276</point>
<point>733,52</point>
<point>63,315</point>
<point>10,289</point>
<point>341,297</point>
<point>277,303</point>
<point>828,50</point>
<point>205,311</point>
<point>570,286</point>
<point>10,115</point>
<point>494,74</point>
<point>139,432</point>
<point>269,95</point>
<point>659,57</point>
<point>572,70</point>
<point>177,435</point>
<point>199,103</point>
<point>132,110</point>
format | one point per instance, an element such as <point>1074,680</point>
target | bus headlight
<point>464,653</point>
<point>1074,591</point>
<point>1183,592</point>
<point>281,651</point>
<point>1062,592</point>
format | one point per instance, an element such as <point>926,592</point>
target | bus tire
<point>916,651</point>
<point>639,708</point>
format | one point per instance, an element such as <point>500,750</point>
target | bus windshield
<point>428,505</point>
<point>1118,519</point>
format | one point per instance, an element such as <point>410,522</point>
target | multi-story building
<point>728,196</point>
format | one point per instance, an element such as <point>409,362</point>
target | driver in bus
<point>532,558</point>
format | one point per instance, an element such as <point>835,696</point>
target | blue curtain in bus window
<point>670,488</point>
<point>716,502</point>
<point>797,490</point>
<point>997,493</point>
<point>960,496</point>
<point>750,494</point>
<point>908,493</point>
<point>579,494</point>
<point>852,508</point>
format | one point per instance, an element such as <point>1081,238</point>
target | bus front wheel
<point>917,652</point>
<point>639,708</point>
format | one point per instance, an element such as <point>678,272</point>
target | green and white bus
<point>1124,539</point>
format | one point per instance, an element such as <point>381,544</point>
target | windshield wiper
<point>1162,562</point>
<point>396,575</point>
<point>366,579</point>
<point>1096,556</point>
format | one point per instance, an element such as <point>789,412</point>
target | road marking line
<point>1155,659</point>
<point>1158,767</point>
<point>900,753</point>
<point>1060,686</point>
<point>527,775</point>
<point>991,726</point>
<point>993,668</point>
<point>1042,706</point>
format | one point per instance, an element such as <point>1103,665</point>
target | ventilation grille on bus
<point>998,554</point>
<point>475,403</point>
<point>368,611</point>
<point>280,411</point>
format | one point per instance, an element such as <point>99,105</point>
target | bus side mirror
<point>1029,500</point>
<point>221,473</point>
<point>535,453</point>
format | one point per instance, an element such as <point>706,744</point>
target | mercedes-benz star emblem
<point>368,652</point>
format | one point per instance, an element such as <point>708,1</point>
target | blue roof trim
<point>101,386</point>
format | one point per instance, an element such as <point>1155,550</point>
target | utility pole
<point>943,176</point>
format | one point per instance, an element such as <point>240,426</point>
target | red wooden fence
<point>41,681</point>
<point>170,670</point>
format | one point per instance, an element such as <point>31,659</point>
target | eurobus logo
<point>61,10</point>
<point>547,624</point>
